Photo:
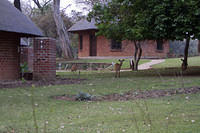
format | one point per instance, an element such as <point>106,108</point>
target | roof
<point>12,20</point>
<point>83,25</point>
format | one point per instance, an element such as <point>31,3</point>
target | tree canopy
<point>139,20</point>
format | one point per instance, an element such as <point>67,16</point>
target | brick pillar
<point>44,62</point>
<point>9,56</point>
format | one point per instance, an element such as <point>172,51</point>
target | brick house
<point>13,26</point>
<point>91,45</point>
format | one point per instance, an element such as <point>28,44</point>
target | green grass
<point>125,63</point>
<point>176,62</point>
<point>107,117</point>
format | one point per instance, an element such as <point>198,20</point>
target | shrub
<point>82,96</point>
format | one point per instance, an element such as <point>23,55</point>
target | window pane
<point>159,44</point>
<point>115,44</point>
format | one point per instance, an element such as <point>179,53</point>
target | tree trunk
<point>136,51</point>
<point>61,29</point>
<point>132,65</point>
<point>184,61</point>
<point>137,54</point>
<point>17,4</point>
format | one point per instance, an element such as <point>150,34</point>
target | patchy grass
<point>168,114</point>
<point>176,62</point>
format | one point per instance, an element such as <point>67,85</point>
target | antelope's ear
<point>119,60</point>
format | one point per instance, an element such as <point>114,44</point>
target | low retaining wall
<point>82,66</point>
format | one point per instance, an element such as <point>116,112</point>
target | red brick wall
<point>150,50</point>
<point>9,56</point>
<point>104,49</point>
<point>44,64</point>
<point>85,51</point>
<point>30,59</point>
<point>23,55</point>
<point>27,56</point>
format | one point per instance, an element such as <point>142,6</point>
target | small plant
<point>82,96</point>
<point>24,67</point>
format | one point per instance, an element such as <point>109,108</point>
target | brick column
<point>44,62</point>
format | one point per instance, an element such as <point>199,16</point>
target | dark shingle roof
<point>83,25</point>
<point>12,20</point>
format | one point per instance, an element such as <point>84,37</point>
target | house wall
<point>44,63</point>
<point>9,56</point>
<point>26,55</point>
<point>150,50</point>
<point>104,47</point>
<point>85,51</point>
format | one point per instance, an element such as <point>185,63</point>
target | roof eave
<point>24,34</point>
<point>75,31</point>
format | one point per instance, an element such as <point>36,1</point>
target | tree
<point>26,7</point>
<point>62,31</point>
<point>60,27</point>
<point>17,4</point>
<point>139,20</point>
<point>40,6</point>
<point>122,20</point>
<point>90,3</point>
<point>174,20</point>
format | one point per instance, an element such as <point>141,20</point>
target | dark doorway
<point>93,45</point>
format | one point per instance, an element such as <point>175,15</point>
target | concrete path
<point>149,64</point>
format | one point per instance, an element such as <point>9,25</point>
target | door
<point>93,45</point>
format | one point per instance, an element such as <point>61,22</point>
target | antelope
<point>118,68</point>
<point>74,68</point>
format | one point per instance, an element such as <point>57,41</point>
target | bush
<point>82,96</point>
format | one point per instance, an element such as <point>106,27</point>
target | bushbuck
<point>118,68</point>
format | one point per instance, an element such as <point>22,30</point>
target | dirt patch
<point>136,94</point>
<point>22,84</point>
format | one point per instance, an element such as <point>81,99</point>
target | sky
<point>65,3</point>
<point>74,6</point>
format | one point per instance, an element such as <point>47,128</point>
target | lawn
<point>176,62</point>
<point>178,113</point>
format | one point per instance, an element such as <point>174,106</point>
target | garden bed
<point>135,94</point>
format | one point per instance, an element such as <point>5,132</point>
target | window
<point>116,45</point>
<point>159,44</point>
<point>81,42</point>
